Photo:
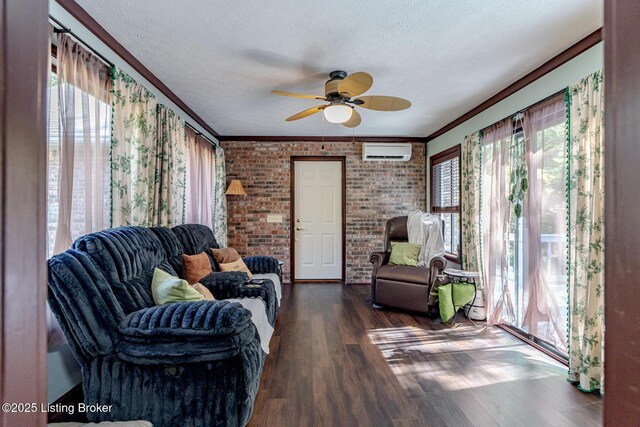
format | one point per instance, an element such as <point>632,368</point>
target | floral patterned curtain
<point>220,203</point>
<point>148,160</point>
<point>133,134</point>
<point>585,180</point>
<point>471,159</point>
<point>170,170</point>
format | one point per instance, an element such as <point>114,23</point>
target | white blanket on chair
<point>425,229</point>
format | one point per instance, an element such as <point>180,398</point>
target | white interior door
<point>318,220</point>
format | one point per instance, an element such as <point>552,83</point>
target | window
<point>523,211</point>
<point>539,236</point>
<point>79,139</point>
<point>445,198</point>
<point>91,120</point>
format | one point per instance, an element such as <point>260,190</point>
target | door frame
<point>292,211</point>
<point>23,195</point>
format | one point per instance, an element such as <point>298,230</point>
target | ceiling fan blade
<point>354,121</point>
<point>297,95</point>
<point>383,103</point>
<point>356,84</point>
<point>306,113</point>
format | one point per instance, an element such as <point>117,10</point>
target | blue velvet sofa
<point>182,364</point>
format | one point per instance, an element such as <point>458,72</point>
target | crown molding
<point>289,138</point>
<point>558,60</point>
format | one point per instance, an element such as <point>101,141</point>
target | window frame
<point>436,159</point>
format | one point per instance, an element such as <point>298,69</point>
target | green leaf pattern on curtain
<point>585,104</point>
<point>220,206</point>
<point>170,169</point>
<point>471,169</point>
<point>148,158</point>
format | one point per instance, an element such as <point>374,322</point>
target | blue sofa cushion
<point>84,303</point>
<point>172,247</point>
<point>195,239</point>
<point>127,257</point>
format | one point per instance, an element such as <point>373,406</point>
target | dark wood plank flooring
<point>335,361</point>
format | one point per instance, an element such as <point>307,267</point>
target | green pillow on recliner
<point>166,288</point>
<point>403,253</point>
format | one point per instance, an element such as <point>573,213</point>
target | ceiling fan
<point>341,91</point>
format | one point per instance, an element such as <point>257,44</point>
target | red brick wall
<point>376,191</point>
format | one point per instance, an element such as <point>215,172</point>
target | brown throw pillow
<point>237,265</point>
<point>196,267</point>
<point>202,290</point>
<point>225,255</point>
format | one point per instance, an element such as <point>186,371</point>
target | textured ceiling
<point>224,57</point>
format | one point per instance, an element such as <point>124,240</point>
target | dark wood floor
<point>337,362</point>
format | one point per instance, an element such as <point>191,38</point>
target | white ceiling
<point>222,58</point>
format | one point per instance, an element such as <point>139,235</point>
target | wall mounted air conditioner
<point>386,152</point>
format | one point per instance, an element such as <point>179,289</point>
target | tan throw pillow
<point>238,265</point>
<point>225,255</point>
<point>196,267</point>
<point>202,290</point>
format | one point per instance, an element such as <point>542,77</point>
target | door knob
<point>298,220</point>
<point>299,229</point>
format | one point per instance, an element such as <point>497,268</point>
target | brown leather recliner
<point>401,286</point>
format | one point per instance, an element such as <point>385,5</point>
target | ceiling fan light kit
<point>337,113</point>
<point>340,91</point>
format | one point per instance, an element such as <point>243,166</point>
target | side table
<point>457,276</point>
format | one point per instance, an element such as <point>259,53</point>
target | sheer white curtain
<point>544,281</point>
<point>82,149</point>
<point>201,168</point>
<point>495,222</point>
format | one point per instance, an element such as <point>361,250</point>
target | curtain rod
<point>197,132</point>
<point>64,29</point>
<point>512,116</point>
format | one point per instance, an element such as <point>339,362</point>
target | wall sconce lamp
<point>235,188</point>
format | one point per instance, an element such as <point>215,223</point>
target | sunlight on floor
<point>459,358</point>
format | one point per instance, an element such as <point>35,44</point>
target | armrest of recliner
<point>377,259</point>
<point>438,264</point>
<point>230,284</point>
<point>436,267</point>
<point>225,284</point>
<point>185,332</point>
<point>261,264</point>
